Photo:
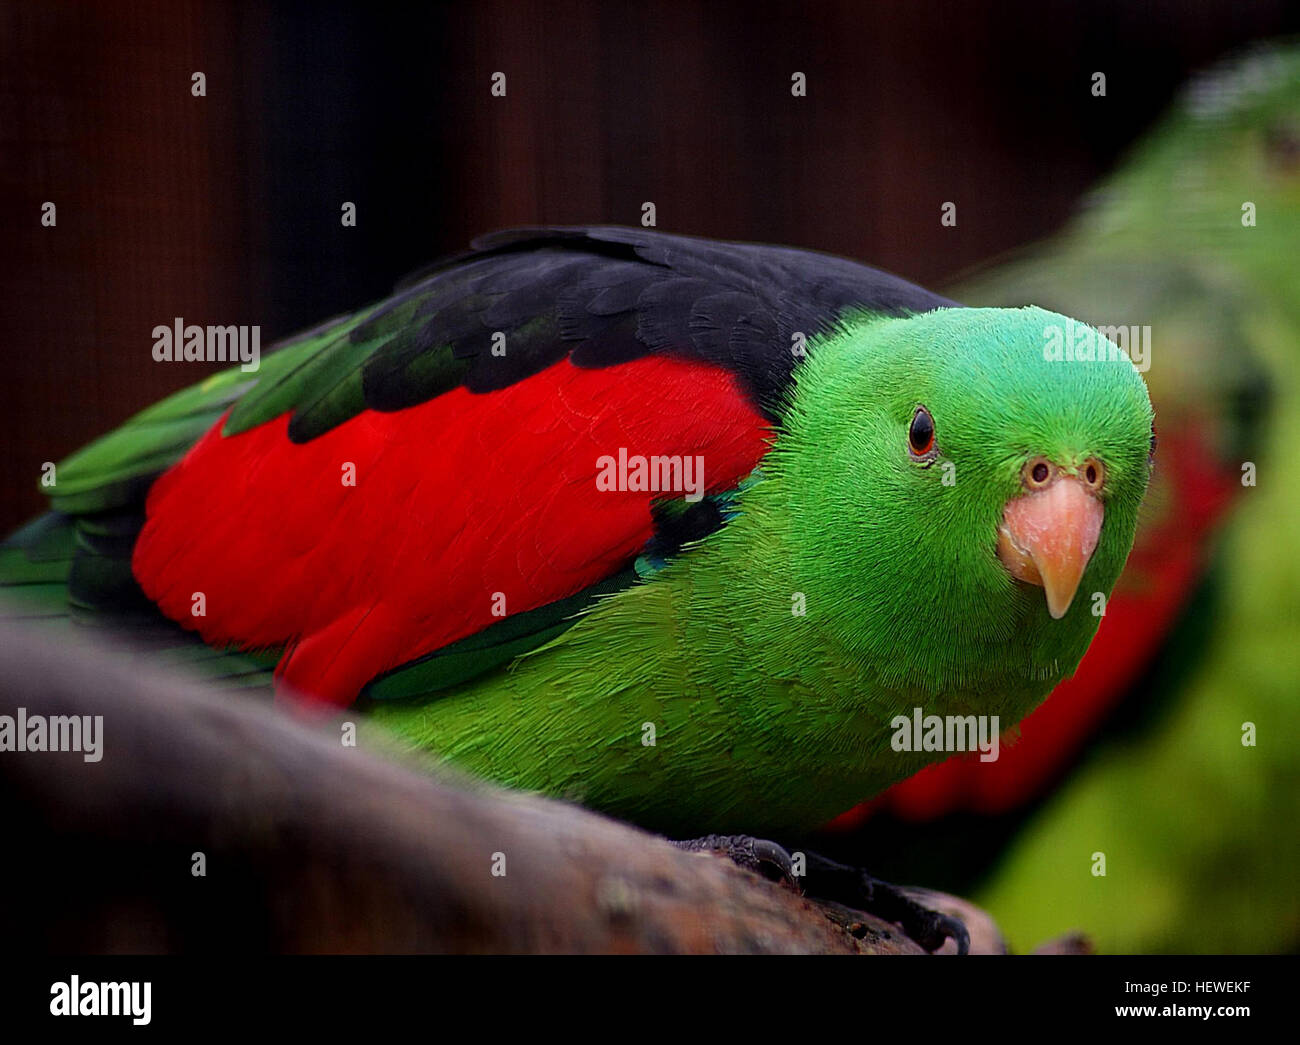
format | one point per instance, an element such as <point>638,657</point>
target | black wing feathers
<point>603,296</point>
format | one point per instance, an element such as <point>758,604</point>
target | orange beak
<point>1047,537</point>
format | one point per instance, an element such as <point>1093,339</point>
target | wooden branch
<point>312,846</point>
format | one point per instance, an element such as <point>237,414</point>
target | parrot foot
<point>827,880</point>
<point>854,887</point>
<point>753,854</point>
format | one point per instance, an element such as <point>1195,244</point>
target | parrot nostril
<point>1094,474</point>
<point>1040,472</point>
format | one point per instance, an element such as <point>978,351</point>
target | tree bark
<point>310,846</point>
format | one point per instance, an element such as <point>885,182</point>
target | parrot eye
<point>1151,454</point>
<point>920,436</point>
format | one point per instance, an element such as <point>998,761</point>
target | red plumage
<point>456,499</point>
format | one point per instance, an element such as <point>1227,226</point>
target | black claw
<point>959,934</point>
<point>939,927</point>
<point>927,927</point>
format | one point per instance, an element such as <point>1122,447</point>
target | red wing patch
<point>458,503</point>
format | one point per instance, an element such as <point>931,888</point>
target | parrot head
<point>985,469</point>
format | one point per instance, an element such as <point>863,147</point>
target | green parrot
<point>771,660</point>
<point>693,532</point>
<point>1178,834</point>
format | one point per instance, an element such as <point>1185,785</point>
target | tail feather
<point>39,567</point>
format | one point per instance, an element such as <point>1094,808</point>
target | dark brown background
<point>225,209</point>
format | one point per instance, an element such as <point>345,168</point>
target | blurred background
<point>226,209</point>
